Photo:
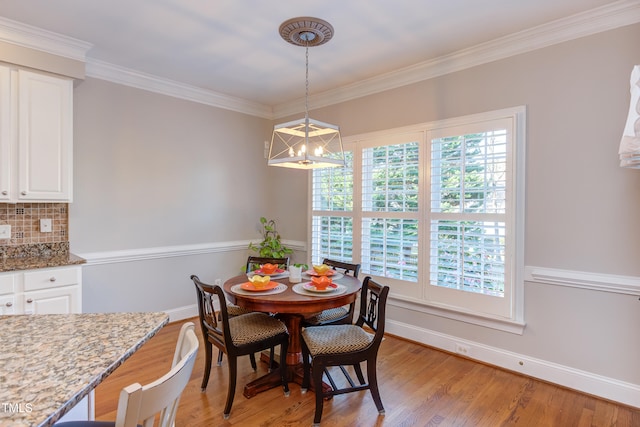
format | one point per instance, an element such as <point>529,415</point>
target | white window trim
<point>516,323</point>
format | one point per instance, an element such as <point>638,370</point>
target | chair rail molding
<point>628,285</point>
<point>142,254</point>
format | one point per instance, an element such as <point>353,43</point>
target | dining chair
<point>254,262</point>
<point>338,315</point>
<point>142,403</point>
<point>236,336</point>
<point>235,310</point>
<point>344,345</point>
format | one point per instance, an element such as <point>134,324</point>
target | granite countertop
<point>50,362</point>
<point>29,263</point>
<point>46,255</point>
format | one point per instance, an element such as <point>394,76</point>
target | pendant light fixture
<point>306,143</point>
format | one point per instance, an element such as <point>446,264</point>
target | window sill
<point>505,325</point>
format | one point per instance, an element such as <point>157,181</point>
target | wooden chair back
<point>254,262</point>
<point>373,307</point>
<point>215,327</point>
<point>344,267</point>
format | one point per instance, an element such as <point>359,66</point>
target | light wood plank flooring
<point>420,386</point>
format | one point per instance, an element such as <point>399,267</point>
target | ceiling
<point>233,48</point>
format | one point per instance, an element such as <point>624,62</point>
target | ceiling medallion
<point>306,31</point>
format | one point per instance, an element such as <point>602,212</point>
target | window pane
<point>468,255</point>
<point>332,237</point>
<point>390,248</point>
<point>390,178</point>
<point>333,187</point>
<point>468,173</point>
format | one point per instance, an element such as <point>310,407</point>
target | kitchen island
<point>48,363</point>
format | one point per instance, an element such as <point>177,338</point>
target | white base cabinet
<point>42,291</point>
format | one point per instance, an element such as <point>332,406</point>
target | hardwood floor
<point>420,386</point>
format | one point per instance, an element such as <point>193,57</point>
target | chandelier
<point>306,143</point>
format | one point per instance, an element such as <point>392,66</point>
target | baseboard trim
<point>182,313</point>
<point>582,381</point>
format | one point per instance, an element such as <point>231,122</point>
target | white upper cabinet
<point>36,113</point>
<point>6,135</point>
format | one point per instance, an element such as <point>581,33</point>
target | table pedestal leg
<point>295,369</point>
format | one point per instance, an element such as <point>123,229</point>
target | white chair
<point>140,403</point>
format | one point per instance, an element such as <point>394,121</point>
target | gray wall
<point>150,172</point>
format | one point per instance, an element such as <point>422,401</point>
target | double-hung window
<point>434,210</point>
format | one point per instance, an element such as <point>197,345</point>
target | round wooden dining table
<point>291,307</point>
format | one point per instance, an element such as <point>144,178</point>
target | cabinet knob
<point>9,304</point>
<point>29,300</point>
<point>5,192</point>
<point>24,193</point>
<point>52,279</point>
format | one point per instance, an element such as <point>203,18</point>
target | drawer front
<point>7,284</point>
<point>7,305</point>
<point>51,278</point>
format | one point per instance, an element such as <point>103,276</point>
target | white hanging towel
<point>630,143</point>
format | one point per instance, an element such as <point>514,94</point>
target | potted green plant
<point>271,245</point>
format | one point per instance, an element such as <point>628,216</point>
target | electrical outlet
<point>45,225</point>
<point>462,349</point>
<point>5,231</point>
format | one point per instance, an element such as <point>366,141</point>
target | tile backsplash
<point>24,219</point>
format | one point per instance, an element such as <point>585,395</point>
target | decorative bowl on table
<point>268,268</point>
<point>260,282</point>
<point>322,269</point>
<point>322,282</point>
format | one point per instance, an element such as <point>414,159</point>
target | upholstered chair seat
<point>254,326</point>
<point>336,339</point>
<point>328,316</point>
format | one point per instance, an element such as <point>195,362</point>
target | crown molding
<point>31,37</point>
<point>609,17</point>
<point>128,77</point>
<point>614,15</point>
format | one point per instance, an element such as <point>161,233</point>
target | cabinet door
<point>45,135</point>
<point>53,301</point>
<point>6,134</point>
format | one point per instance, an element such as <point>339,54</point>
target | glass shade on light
<point>630,143</point>
<point>306,144</point>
